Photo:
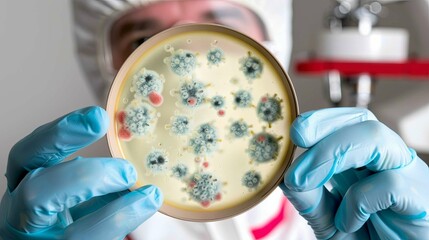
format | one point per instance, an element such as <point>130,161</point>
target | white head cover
<point>93,19</point>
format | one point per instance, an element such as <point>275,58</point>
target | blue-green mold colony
<point>269,109</point>
<point>180,125</point>
<point>156,161</point>
<point>182,62</point>
<point>263,147</point>
<point>243,98</point>
<point>147,81</point>
<point>138,119</point>
<point>205,139</point>
<point>239,129</point>
<point>251,179</point>
<point>215,56</point>
<point>205,187</point>
<point>251,67</point>
<point>192,93</point>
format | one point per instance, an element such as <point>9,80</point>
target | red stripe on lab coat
<point>128,238</point>
<point>263,231</point>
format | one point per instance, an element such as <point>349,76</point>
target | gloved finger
<point>367,144</point>
<point>44,192</point>
<point>318,207</point>
<point>311,127</point>
<point>94,204</point>
<point>359,235</point>
<point>341,182</point>
<point>118,218</point>
<point>385,190</point>
<point>52,142</point>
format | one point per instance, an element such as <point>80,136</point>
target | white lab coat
<point>273,219</point>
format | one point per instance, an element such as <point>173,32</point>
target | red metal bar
<point>413,69</point>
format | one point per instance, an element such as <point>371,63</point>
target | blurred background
<point>39,70</point>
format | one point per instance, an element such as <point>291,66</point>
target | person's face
<point>135,27</point>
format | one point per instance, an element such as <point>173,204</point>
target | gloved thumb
<point>118,218</point>
<point>317,206</point>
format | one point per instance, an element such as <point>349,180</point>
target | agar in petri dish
<point>203,112</point>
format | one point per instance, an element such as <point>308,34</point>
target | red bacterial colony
<point>156,99</point>
<point>123,132</point>
<point>192,101</point>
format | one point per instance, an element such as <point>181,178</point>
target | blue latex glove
<point>378,187</point>
<point>84,198</point>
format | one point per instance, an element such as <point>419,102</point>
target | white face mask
<point>277,52</point>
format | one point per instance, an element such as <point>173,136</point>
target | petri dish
<point>203,112</point>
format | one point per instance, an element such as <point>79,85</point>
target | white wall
<point>40,78</point>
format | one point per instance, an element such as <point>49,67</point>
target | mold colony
<point>269,109</point>
<point>215,56</point>
<point>181,62</point>
<point>251,66</point>
<point>263,147</point>
<point>148,84</point>
<point>239,129</point>
<point>138,119</point>
<point>192,94</point>
<point>156,161</point>
<point>251,179</point>
<point>242,99</point>
<point>204,140</point>
<point>180,125</point>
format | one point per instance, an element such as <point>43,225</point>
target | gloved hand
<point>357,179</point>
<point>84,198</point>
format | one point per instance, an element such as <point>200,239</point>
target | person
<point>356,180</point>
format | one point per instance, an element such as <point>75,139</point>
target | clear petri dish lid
<point>203,112</point>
